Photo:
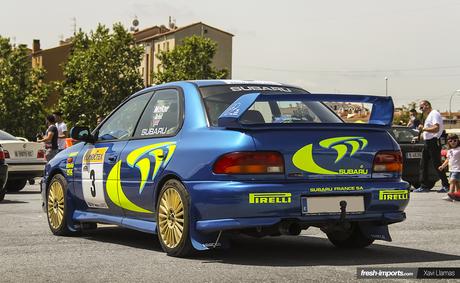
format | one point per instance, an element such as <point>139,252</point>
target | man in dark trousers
<point>431,156</point>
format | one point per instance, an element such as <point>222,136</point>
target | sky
<point>328,46</point>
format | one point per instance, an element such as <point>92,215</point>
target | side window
<point>122,123</point>
<point>161,117</point>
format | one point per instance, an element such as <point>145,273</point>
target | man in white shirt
<point>431,156</point>
<point>62,130</point>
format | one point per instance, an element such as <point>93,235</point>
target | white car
<point>26,160</point>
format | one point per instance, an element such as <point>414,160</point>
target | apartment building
<point>168,40</point>
<point>152,39</point>
<point>52,60</point>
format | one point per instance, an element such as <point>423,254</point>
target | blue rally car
<point>199,161</point>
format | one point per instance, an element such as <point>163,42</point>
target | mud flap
<point>375,232</point>
<point>202,242</point>
<point>206,241</point>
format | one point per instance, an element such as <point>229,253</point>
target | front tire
<point>350,239</point>
<point>173,219</point>
<point>15,185</point>
<point>56,208</point>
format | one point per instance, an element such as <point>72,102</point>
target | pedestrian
<point>453,160</point>
<point>62,130</point>
<point>431,155</point>
<point>99,120</point>
<point>51,138</point>
<point>414,122</point>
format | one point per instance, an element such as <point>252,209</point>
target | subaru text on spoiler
<point>196,162</point>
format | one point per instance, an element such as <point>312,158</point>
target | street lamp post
<point>450,102</point>
<point>386,86</point>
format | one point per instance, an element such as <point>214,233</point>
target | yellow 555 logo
<point>303,158</point>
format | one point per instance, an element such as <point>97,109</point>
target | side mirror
<point>82,134</point>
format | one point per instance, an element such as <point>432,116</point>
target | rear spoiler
<point>381,115</point>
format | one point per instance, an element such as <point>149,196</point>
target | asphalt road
<point>29,252</point>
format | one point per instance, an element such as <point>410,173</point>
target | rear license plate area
<point>331,204</point>
<point>23,153</point>
<point>413,155</point>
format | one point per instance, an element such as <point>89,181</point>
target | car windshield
<point>404,135</point>
<point>5,136</point>
<point>218,98</point>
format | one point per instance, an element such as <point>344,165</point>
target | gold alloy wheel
<point>171,218</point>
<point>56,205</point>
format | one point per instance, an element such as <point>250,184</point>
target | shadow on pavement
<point>125,237</point>
<point>312,251</point>
<point>279,251</point>
<point>23,193</point>
<point>5,201</point>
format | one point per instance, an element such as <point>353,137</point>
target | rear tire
<point>56,206</point>
<point>15,185</point>
<point>173,219</point>
<point>430,184</point>
<point>351,239</point>
<point>415,185</point>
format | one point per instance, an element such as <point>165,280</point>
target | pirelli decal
<point>393,195</point>
<point>269,198</point>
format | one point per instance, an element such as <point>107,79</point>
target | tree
<point>403,116</point>
<point>102,70</point>
<point>189,61</point>
<point>22,91</point>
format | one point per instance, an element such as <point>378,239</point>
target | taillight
<point>388,162</point>
<point>41,154</point>
<point>7,154</point>
<point>255,162</point>
<point>2,155</point>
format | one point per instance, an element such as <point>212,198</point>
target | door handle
<point>112,158</point>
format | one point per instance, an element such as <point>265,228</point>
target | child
<point>453,159</point>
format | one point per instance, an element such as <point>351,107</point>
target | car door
<point>96,174</point>
<point>147,154</point>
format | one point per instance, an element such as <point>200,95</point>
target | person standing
<point>453,160</point>
<point>414,122</point>
<point>62,130</point>
<point>431,155</point>
<point>51,138</point>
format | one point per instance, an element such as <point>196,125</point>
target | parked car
<point>26,160</point>
<point>412,148</point>
<point>3,173</point>
<point>196,162</point>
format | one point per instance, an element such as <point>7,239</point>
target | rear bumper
<point>3,175</point>
<point>243,223</point>
<point>26,170</point>
<point>228,205</point>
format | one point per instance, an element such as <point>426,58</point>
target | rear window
<point>404,135</point>
<point>5,136</point>
<point>218,98</point>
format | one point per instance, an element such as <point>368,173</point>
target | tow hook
<point>343,211</point>
<point>342,224</point>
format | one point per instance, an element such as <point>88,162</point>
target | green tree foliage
<point>189,61</point>
<point>402,118</point>
<point>102,71</point>
<point>22,91</point>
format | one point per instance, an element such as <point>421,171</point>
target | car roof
<point>204,83</point>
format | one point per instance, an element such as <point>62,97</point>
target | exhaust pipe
<point>289,228</point>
